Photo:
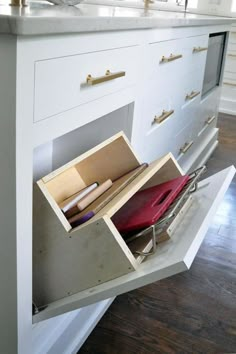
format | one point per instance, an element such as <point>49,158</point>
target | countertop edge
<point>32,25</point>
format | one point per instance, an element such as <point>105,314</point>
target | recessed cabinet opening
<point>56,153</point>
<point>63,249</point>
<point>79,262</point>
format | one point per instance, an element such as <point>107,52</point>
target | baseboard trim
<point>66,334</point>
<point>227,106</point>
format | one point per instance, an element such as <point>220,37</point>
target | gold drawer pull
<point>232,55</point>
<point>229,83</point>
<point>192,95</point>
<point>186,147</point>
<point>210,120</point>
<point>107,77</point>
<point>163,116</point>
<point>199,49</point>
<point>172,57</point>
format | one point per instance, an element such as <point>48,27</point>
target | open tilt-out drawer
<point>77,267</point>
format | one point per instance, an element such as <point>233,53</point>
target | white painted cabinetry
<point>228,97</point>
<point>59,115</point>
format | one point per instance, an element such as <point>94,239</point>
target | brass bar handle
<point>229,83</point>
<point>232,55</point>
<point>192,95</point>
<point>172,57</point>
<point>199,49</point>
<point>107,77</point>
<point>186,147</point>
<point>163,116</point>
<point>210,120</point>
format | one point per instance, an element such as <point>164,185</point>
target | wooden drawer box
<point>76,267</point>
<point>64,83</point>
<point>61,254</point>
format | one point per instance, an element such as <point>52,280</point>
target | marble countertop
<point>43,18</point>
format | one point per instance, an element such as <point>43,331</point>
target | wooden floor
<point>193,312</point>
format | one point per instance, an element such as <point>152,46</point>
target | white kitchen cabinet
<point>228,96</point>
<point>51,114</point>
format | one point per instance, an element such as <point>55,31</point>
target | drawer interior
<point>61,251</point>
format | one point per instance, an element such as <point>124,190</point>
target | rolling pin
<point>89,198</point>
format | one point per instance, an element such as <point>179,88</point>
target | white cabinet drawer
<point>196,52</point>
<point>207,113</point>
<point>189,115</point>
<point>192,87</point>
<point>174,58</point>
<point>184,141</point>
<point>160,107</point>
<point>160,141</point>
<point>61,83</point>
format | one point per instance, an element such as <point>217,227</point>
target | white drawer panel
<point>207,113</point>
<point>192,87</point>
<point>162,106</point>
<point>184,141</point>
<point>171,59</point>
<point>159,142</point>
<point>189,115</point>
<point>197,52</point>
<point>61,83</point>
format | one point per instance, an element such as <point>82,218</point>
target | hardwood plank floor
<point>192,312</point>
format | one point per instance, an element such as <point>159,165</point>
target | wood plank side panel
<point>110,162</point>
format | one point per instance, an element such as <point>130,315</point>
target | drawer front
<point>167,58</point>
<point>196,52</point>
<point>159,142</point>
<point>207,112</point>
<point>189,115</point>
<point>160,107</point>
<point>64,83</point>
<point>183,143</point>
<point>192,87</point>
<point>207,119</point>
<point>177,57</point>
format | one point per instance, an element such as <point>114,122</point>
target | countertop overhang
<point>41,18</point>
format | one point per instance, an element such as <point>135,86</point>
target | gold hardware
<point>186,147</point>
<point>229,83</point>
<point>172,57</point>
<point>232,55</point>
<point>19,3</point>
<point>199,49</point>
<point>147,3</point>
<point>210,120</point>
<point>192,95</point>
<point>163,116</point>
<point>107,77</point>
